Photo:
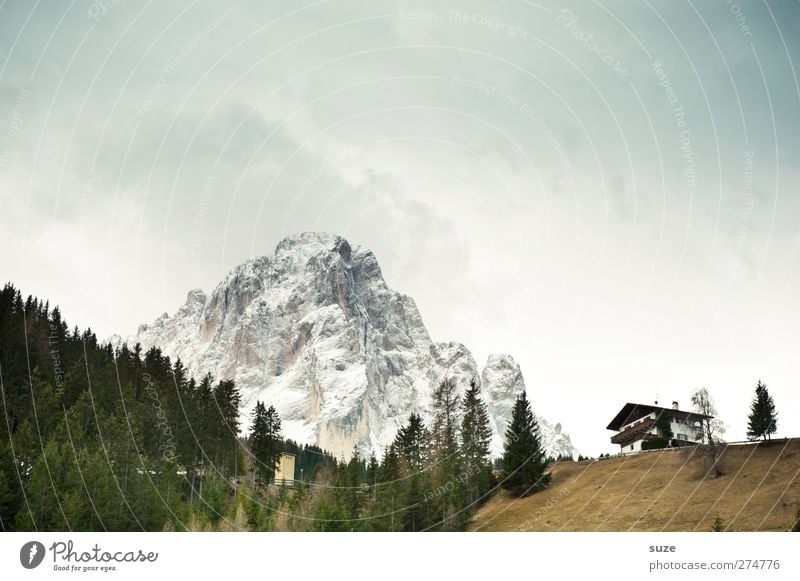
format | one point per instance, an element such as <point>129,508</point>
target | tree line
<point>430,477</point>
<point>102,438</point>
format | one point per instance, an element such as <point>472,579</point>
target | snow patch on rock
<point>315,331</point>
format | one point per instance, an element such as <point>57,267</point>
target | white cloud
<point>530,199</point>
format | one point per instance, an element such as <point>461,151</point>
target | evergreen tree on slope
<point>763,419</point>
<point>476,436</point>
<point>265,441</point>
<point>524,461</point>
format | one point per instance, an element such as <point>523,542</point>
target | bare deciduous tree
<point>711,427</point>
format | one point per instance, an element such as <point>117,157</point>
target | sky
<point>606,190</point>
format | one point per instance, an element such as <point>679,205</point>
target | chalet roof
<point>635,432</point>
<point>633,411</point>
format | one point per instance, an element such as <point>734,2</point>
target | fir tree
<point>763,419</point>
<point>415,511</point>
<point>476,436</point>
<point>353,493</point>
<point>372,473</point>
<point>412,442</point>
<point>445,419</point>
<point>413,445</point>
<point>524,462</point>
<point>226,449</point>
<point>265,442</point>
<point>9,495</point>
<point>387,511</point>
<point>447,507</point>
<point>335,508</point>
<point>119,440</point>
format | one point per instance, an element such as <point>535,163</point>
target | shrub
<point>655,443</point>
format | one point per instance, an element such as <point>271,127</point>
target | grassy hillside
<point>665,490</point>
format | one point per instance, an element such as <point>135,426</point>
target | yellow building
<point>284,471</point>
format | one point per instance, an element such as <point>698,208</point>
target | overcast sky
<point>608,191</point>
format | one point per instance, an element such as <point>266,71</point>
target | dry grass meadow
<point>660,491</point>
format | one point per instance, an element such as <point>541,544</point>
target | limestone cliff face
<point>502,381</point>
<point>315,331</point>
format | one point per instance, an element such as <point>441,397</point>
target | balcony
<point>633,433</point>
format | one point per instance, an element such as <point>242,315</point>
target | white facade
<point>284,471</point>
<point>632,448</point>
<point>688,430</point>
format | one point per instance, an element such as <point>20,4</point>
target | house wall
<point>632,448</point>
<point>284,471</point>
<point>690,431</point>
<point>681,431</point>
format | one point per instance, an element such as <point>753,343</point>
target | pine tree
<point>448,508</point>
<point>336,506</point>
<point>415,509</point>
<point>225,438</point>
<point>9,499</point>
<point>353,493</point>
<point>763,419</point>
<point>265,442</point>
<point>387,513</point>
<point>524,462</point>
<point>412,443</point>
<point>476,437</point>
<point>445,419</point>
<point>372,474</point>
<point>116,436</point>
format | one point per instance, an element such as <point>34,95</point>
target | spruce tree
<point>9,494</point>
<point>265,442</point>
<point>414,504</point>
<point>413,442</point>
<point>117,435</point>
<point>763,419</point>
<point>413,445</point>
<point>388,513</point>
<point>226,428</point>
<point>353,493</point>
<point>447,464</point>
<point>476,436</point>
<point>372,474</point>
<point>524,461</point>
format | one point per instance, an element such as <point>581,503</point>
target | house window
<point>682,437</point>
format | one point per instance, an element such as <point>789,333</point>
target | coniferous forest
<point>98,438</point>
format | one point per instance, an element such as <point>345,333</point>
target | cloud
<point>529,198</point>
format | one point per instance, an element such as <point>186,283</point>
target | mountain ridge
<point>315,330</point>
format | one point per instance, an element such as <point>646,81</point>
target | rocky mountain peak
<point>315,331</point>
<point>502,383</point>
<point>196,298</point>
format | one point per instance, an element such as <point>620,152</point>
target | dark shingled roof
<point>631,412</point>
